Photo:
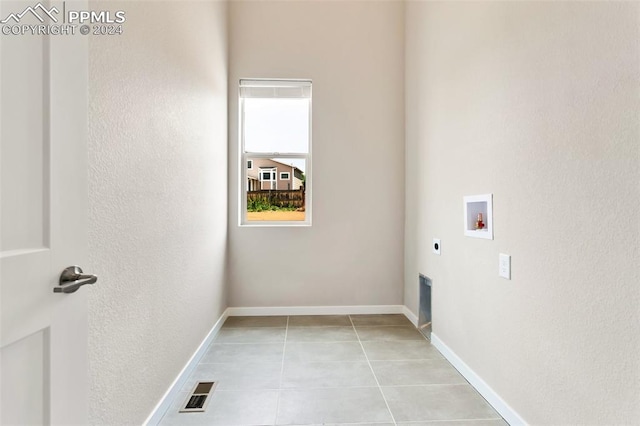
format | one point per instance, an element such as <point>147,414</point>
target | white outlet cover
<point>436,246</point>
<point>504,267</point>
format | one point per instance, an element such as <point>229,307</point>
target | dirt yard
<point>276,216</point>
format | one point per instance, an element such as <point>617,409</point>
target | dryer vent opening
<point>424,317</point>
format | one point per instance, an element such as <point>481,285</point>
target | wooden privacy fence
<point>279,197</point>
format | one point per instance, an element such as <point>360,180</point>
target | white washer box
<point>474,205</point>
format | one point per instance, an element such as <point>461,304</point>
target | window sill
<point>267,224</point>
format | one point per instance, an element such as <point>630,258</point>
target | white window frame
<point>273,176</point>
<point>285,173</point>
<point>245,156</point>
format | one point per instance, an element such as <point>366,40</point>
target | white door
<point>43,215</point>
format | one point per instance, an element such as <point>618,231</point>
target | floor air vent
<point>199,398</point>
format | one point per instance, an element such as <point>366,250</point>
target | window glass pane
<point>270,198</point>
<point>276,125</point>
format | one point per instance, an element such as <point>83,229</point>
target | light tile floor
<point>335,369</point>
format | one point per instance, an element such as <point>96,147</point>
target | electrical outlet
<point>504,268</point>
<point>436,246</point>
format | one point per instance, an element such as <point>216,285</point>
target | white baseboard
<point>410,315</point>
<point>508,413</point>
<point>316,310</point>
<point>169,396</point>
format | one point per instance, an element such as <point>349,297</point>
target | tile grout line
<point>465,379</point>
<point>284,351</point>
<point>393,419</point>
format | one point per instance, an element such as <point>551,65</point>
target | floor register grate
<point>198,398</point>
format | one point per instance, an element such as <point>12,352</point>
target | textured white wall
<point>158,199</point>
<point>354,53</point>
<point>538,104</point>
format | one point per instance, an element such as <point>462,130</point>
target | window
<point>268,179</point>
<point>275,141</point>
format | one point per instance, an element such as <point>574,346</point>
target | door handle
<point>72,278</point>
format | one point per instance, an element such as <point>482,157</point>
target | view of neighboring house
<point>267,174</point>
